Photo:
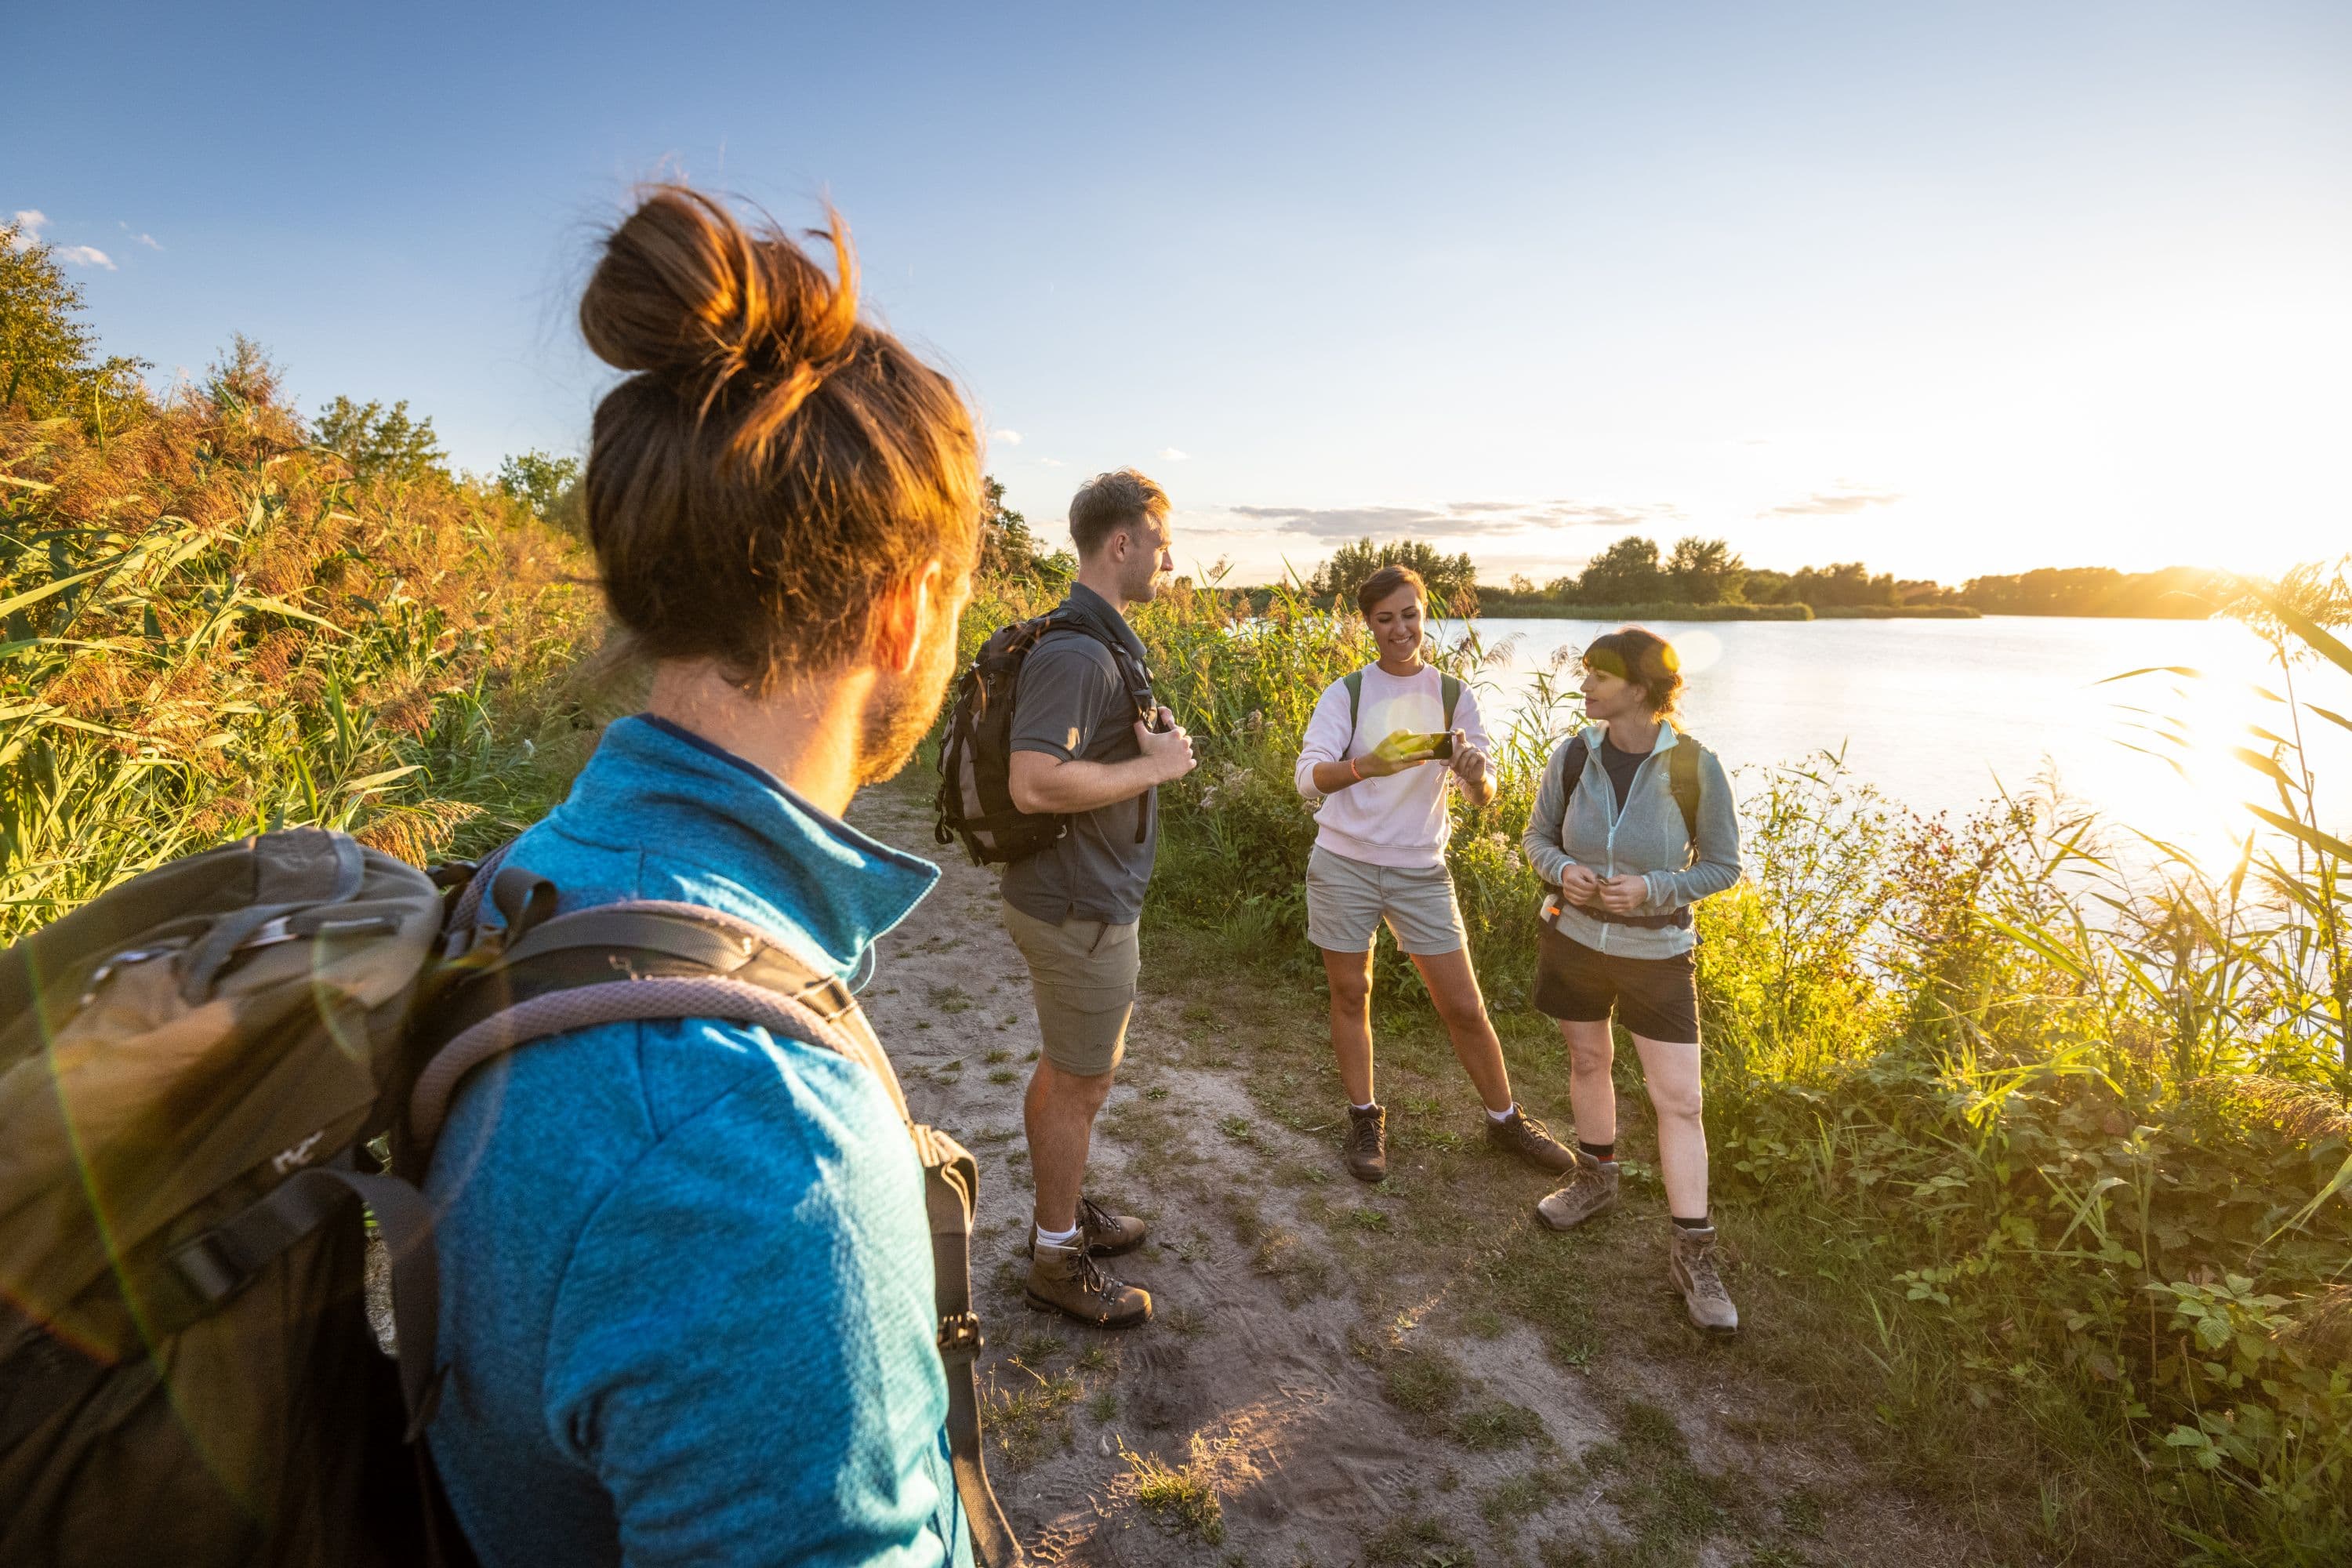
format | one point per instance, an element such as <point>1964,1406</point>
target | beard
<point>900,712</point>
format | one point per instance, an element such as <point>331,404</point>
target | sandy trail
<point>1342,1397</point>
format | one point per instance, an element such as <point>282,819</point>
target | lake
<point>1942,715</point>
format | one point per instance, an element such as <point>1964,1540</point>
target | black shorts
<point>1656,998</point>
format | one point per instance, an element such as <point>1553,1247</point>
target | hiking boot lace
<point>1364,1135</point>
<point>1533,1132</point>
<point>1704,1277</point>
<point>1092,1218</point>
<point>1089,1276</point>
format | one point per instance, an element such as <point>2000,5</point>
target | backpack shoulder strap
<point>1681,779</point>
<point>1571,767</point>
<point>687,961</point>
<point>1354,681</point>
<point>1449,689</point>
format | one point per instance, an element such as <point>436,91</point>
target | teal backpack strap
<point>1354,681</point>
<point>1681,779</point>
<point>1450,688</point>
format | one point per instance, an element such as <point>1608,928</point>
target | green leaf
<point>2326,843</point>
<point>2321,639</point>
<point>377,781</point>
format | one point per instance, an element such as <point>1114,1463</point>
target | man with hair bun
<point>1090,745</point>
<point>687,1304</point>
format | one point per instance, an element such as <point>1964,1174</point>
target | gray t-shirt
<point>1073,703</point>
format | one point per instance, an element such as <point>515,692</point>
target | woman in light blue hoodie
<point>1634,823</point>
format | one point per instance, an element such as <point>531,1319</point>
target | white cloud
<point>1171,455</point>
<point>83,255</point>
<point>29,222</point>
<point>1050,462</point>
<point>1010,437</point>
<point>1836,503</point>
<point>140,237</point>
<point>1455,519</point>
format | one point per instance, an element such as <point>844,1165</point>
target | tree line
<point>1705,571</point>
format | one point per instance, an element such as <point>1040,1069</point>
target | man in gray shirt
<point>1091,744</point>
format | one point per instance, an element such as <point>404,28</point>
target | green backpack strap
<point>1449,689</point>
<point>1681,779</point>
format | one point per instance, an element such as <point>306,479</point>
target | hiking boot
<point>1367,1146</point>
<point>1521,1134</point>
<point>1064,1279</point>
<point>1107,1233</point>
<point>1591,1190</point>
<point>1691,1269</point>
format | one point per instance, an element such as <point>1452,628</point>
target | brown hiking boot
<point>1064,1279</point>
<point>1367,1145</point>
<point>1521,1134</point>
<point>1691,1269</point>
<point>1591,1191</point>
<point>1107,1233</point>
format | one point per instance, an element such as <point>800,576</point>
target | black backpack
<point>219,1085</point>
<point>974,802</point>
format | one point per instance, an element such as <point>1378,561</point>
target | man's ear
<point>905,609</point>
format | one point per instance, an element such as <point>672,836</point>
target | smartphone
<point>1439,745</point>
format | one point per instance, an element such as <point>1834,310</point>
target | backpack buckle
<point>209,1266</point>
<point>960,1334</point>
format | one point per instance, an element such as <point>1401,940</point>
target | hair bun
<point>689,295</point>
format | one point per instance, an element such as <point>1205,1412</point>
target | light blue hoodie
<point>1646,838</point>
<point>686,1270</point>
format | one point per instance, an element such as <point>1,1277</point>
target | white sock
<point>1057,1238</point>
<point>1499,1117</point>
<point>1368,1105</point>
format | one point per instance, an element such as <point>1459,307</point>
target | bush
<point>212,630</point>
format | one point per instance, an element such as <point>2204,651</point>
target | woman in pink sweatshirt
<point>1382,749</point>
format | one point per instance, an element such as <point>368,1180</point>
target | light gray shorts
<point>1082,973</point>
<point>1346,899</point>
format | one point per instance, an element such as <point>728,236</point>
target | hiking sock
<point>1499,1117</point>
<point>1604,1152</point>
<point>1702,1222</point>
<point>1070,1238</point>
<point>1368,1105</point>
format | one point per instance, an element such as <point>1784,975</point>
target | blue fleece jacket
<point>685,1271</point>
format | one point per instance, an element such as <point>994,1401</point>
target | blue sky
<point>1952,289</point>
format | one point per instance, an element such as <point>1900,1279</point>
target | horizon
<point>1953,297</point>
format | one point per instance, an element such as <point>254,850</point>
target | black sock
<point>1702,1222</point>
<point>1602,1151</point>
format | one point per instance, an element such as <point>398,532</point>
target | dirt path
<point>1410,1374</point>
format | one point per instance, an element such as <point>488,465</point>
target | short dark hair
<point>1109,502</point>
<point>1385,582</point>
<point>1641,655</point>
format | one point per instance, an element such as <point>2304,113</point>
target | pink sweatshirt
<point>1399,820</point>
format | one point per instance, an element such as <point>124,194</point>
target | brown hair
<point>775,466</point>
<point>1641,655</point>
<point>1109,502</point>
<point>1385,582</point>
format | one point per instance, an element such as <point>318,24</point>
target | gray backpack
<point>219,1085</point>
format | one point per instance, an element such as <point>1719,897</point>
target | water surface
<point>1943,715</point>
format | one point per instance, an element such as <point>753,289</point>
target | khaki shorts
<point>1083,972</point>
<point>1347,899</point>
